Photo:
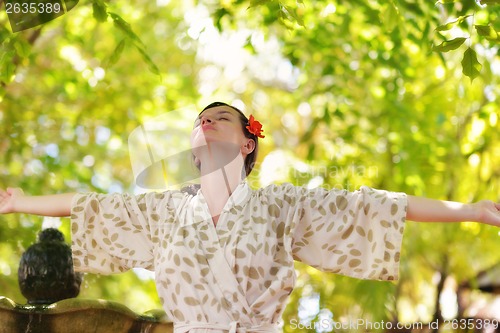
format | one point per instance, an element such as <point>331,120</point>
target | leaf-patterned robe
<point>237,275</point>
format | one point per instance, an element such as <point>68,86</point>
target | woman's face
<point>220,124</point>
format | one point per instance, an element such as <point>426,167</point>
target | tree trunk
<point>438,317</point>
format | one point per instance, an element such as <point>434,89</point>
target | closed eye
<point>222,115</point>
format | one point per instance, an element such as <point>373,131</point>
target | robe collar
<point>239,197</point>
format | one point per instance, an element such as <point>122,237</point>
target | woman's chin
<point>214,145</point>
<point>220,151</point>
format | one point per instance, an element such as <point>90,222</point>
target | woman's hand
<point>13,200</point>
<point>488,212</point>
<point>9,198</point>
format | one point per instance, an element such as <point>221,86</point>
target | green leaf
<point>449,45</point>
<point>291,14</point>
<point>255,3</point>
<point>219,15</point>
<point>444,2</point>
<point>487,31</point>
<point>7,67</point>
<point>116,53</point>
<point>125,27</point>
<point>151,65</point>
<point>451,24</point>
<point>249,46</point>
<point>390,16</point>
<point>22,47</point>
<point>99,11</point>
<point>489,2</point>
<point>311,152</point>
<point>470,66</point>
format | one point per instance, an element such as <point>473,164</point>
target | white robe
<point>236,276</point>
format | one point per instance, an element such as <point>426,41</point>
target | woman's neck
<point>218,182</point>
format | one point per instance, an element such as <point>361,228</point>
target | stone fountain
<point>50,285</point>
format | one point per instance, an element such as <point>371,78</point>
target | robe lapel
<point>232,297</point>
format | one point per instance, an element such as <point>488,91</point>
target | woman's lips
<point>207,127</point>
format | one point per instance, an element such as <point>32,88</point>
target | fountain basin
<point>79,316</point>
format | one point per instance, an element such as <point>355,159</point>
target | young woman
<point>223,256</point>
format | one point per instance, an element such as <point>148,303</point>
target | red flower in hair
<point>255,127</point>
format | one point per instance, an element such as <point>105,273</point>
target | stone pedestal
<point>79,316</point>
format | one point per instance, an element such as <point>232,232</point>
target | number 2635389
<point>32,7</point>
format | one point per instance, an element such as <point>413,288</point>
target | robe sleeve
<point>113,233</point>
<point>358,234</point>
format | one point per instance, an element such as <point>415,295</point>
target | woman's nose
<point>205,120</point>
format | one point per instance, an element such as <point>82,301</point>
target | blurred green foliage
<point>400,95</point>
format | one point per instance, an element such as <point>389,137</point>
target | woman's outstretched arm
<point>430,210</point>
<point>13,200</point>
